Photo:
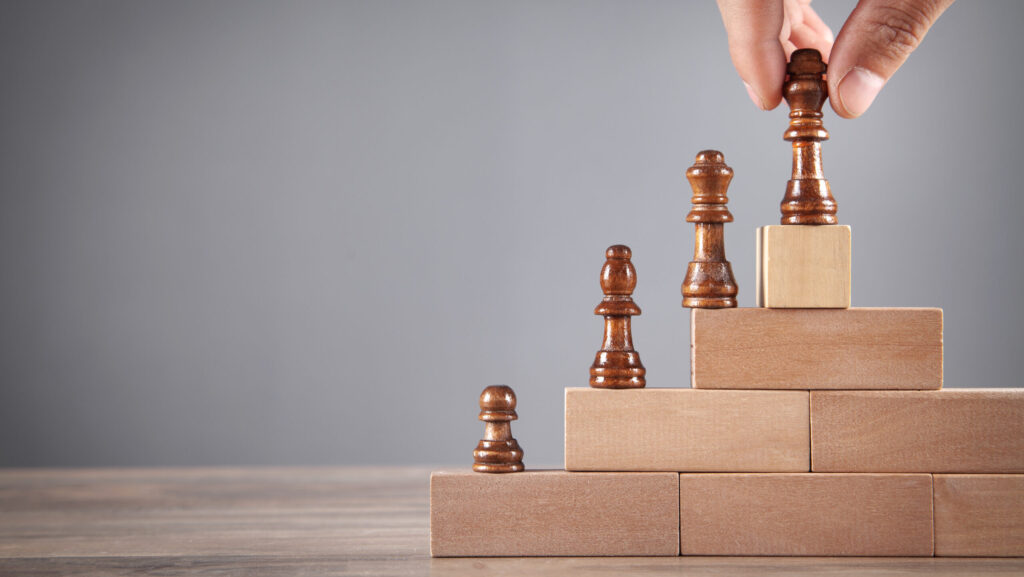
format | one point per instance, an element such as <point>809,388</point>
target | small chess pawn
<point>617,365</point>
<point>808,197</point>
<point>498,452</point>
<point>709,283</point>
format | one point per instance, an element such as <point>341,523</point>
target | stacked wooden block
<point>806,431</point>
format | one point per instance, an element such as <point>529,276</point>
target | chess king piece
<point>617,365</point>
<point>498,452</point>
<point>709,283</point>
<point>808,197</point>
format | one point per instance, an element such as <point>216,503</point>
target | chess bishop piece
<point>709,283</point>
<point>617,365</point>
<point>808,197</point>
<point>498,452</point>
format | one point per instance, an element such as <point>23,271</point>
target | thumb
<point>877,38</point>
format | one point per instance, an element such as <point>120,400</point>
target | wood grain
<point>553,513</point>
<point>859,348</point>
<point>979,515</point>
<point>803,266</point>
<point>686,430</point>
<point>806,514</point>
<point>310,521</point>
<point>948,431</point>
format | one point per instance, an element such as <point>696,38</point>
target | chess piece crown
<point>709,282</point>
<point>617,365</point>
<point>808,198</point>
<point>498,451</point>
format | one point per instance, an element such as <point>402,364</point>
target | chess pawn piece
<point>498,452</point>
<point>617,365</point>
<point>808,197</point>
<point>709,283</point>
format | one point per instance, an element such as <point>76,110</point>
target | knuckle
<point>901,27</point>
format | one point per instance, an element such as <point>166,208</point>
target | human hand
<point>876,39</point>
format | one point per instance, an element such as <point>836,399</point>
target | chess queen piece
<point>617,365</point>
<point>709,283</point>
<point>808,197</point>
<point>498,451</point>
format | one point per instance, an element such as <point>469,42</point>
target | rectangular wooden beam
<point>553,513</point>
<point>806,514</point>
<point>686,430</point>
<point>948,431</point>
<point>979,515</point>
<point>859,348</point>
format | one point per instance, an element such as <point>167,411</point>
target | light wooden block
<point>979,515</point>
<point>805,514</point>
<point>859,348</point>
<point>553,513</point>
<point>949,431</point>
<point>803,266</point>
<point>686,430</point>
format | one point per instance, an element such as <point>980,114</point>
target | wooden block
<point>686,430</point>
<point>553,513</point>
<point>949,431</point>
<point>803,266</point>
<point>860,348</point>
<point>979,515</point>
<point>805,514</point>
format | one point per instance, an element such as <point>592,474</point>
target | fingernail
<point>858,89</point>
<point>754,97</point>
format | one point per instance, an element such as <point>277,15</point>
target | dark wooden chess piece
<point>498,452</point>
<point>709,283</point>
<point>808,197</point>
<point>617,365</point>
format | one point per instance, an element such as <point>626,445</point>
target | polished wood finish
<point>803,266</point>
<point>323,521</point>
<point>948,431</point>
<point>979,515</point>
<point>858,348</point>
<point>498,451</point>
<point>806,514</point>
<point>617,365</point>
<point>709,282</point>
<point>686,430</point>
<point>808,197</point>
<point>554,513</point>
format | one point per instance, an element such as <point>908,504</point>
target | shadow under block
<point>553,513</point>
<point>859,348</point>
<point>948,431</point>
<point>686,430</point>
<point>979,515</point>
<point>806,514</point>
<point>803,266</point>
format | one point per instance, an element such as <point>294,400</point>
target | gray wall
<point>311,232</point>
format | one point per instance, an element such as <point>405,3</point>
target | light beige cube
<point>803,266</point>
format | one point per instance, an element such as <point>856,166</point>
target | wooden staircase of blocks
<point>887,465</point>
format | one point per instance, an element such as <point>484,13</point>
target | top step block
<point>816,349</point>
<point>803,266</point>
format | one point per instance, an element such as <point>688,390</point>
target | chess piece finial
<point>808,197</point>
<point>709,283</point>
<point>498,452</point>
<point>617,365</point>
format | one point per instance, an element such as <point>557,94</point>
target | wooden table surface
<point>309,521</point>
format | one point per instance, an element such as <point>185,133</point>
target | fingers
<point>807,29</point>
<point>753,27</point>
<point>875,41</point>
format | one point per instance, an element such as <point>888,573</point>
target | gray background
<point>311,232</point>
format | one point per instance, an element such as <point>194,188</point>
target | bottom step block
<point>979,515</point>
<point>806,514</point>
<point>553,513</point>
